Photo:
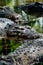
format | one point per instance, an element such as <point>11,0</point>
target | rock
<point>35,9</point>
<point>27,54</point>
<point>6,12</point>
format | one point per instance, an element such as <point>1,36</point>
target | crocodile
<point>29,53</point>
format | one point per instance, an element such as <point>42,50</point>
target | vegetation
<point>7,46</point>
<point>41,63</point>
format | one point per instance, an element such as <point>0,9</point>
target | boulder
<point>29,53</point>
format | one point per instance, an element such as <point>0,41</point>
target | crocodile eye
<point>22,28</point>
<point>17,18</point>
<point>5,27</point>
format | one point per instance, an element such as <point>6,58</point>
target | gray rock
<point>25,54</point>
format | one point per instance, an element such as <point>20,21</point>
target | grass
<point>9,46</point>
<point>14,45</point>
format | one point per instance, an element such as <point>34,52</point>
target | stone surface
<point>28,54</point>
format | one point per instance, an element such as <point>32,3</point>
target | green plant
<point>8,46</point>
<point>14,45</point>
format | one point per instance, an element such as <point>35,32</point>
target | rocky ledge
<point>30,53</point>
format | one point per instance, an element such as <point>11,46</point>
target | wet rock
<point>35,9</point>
